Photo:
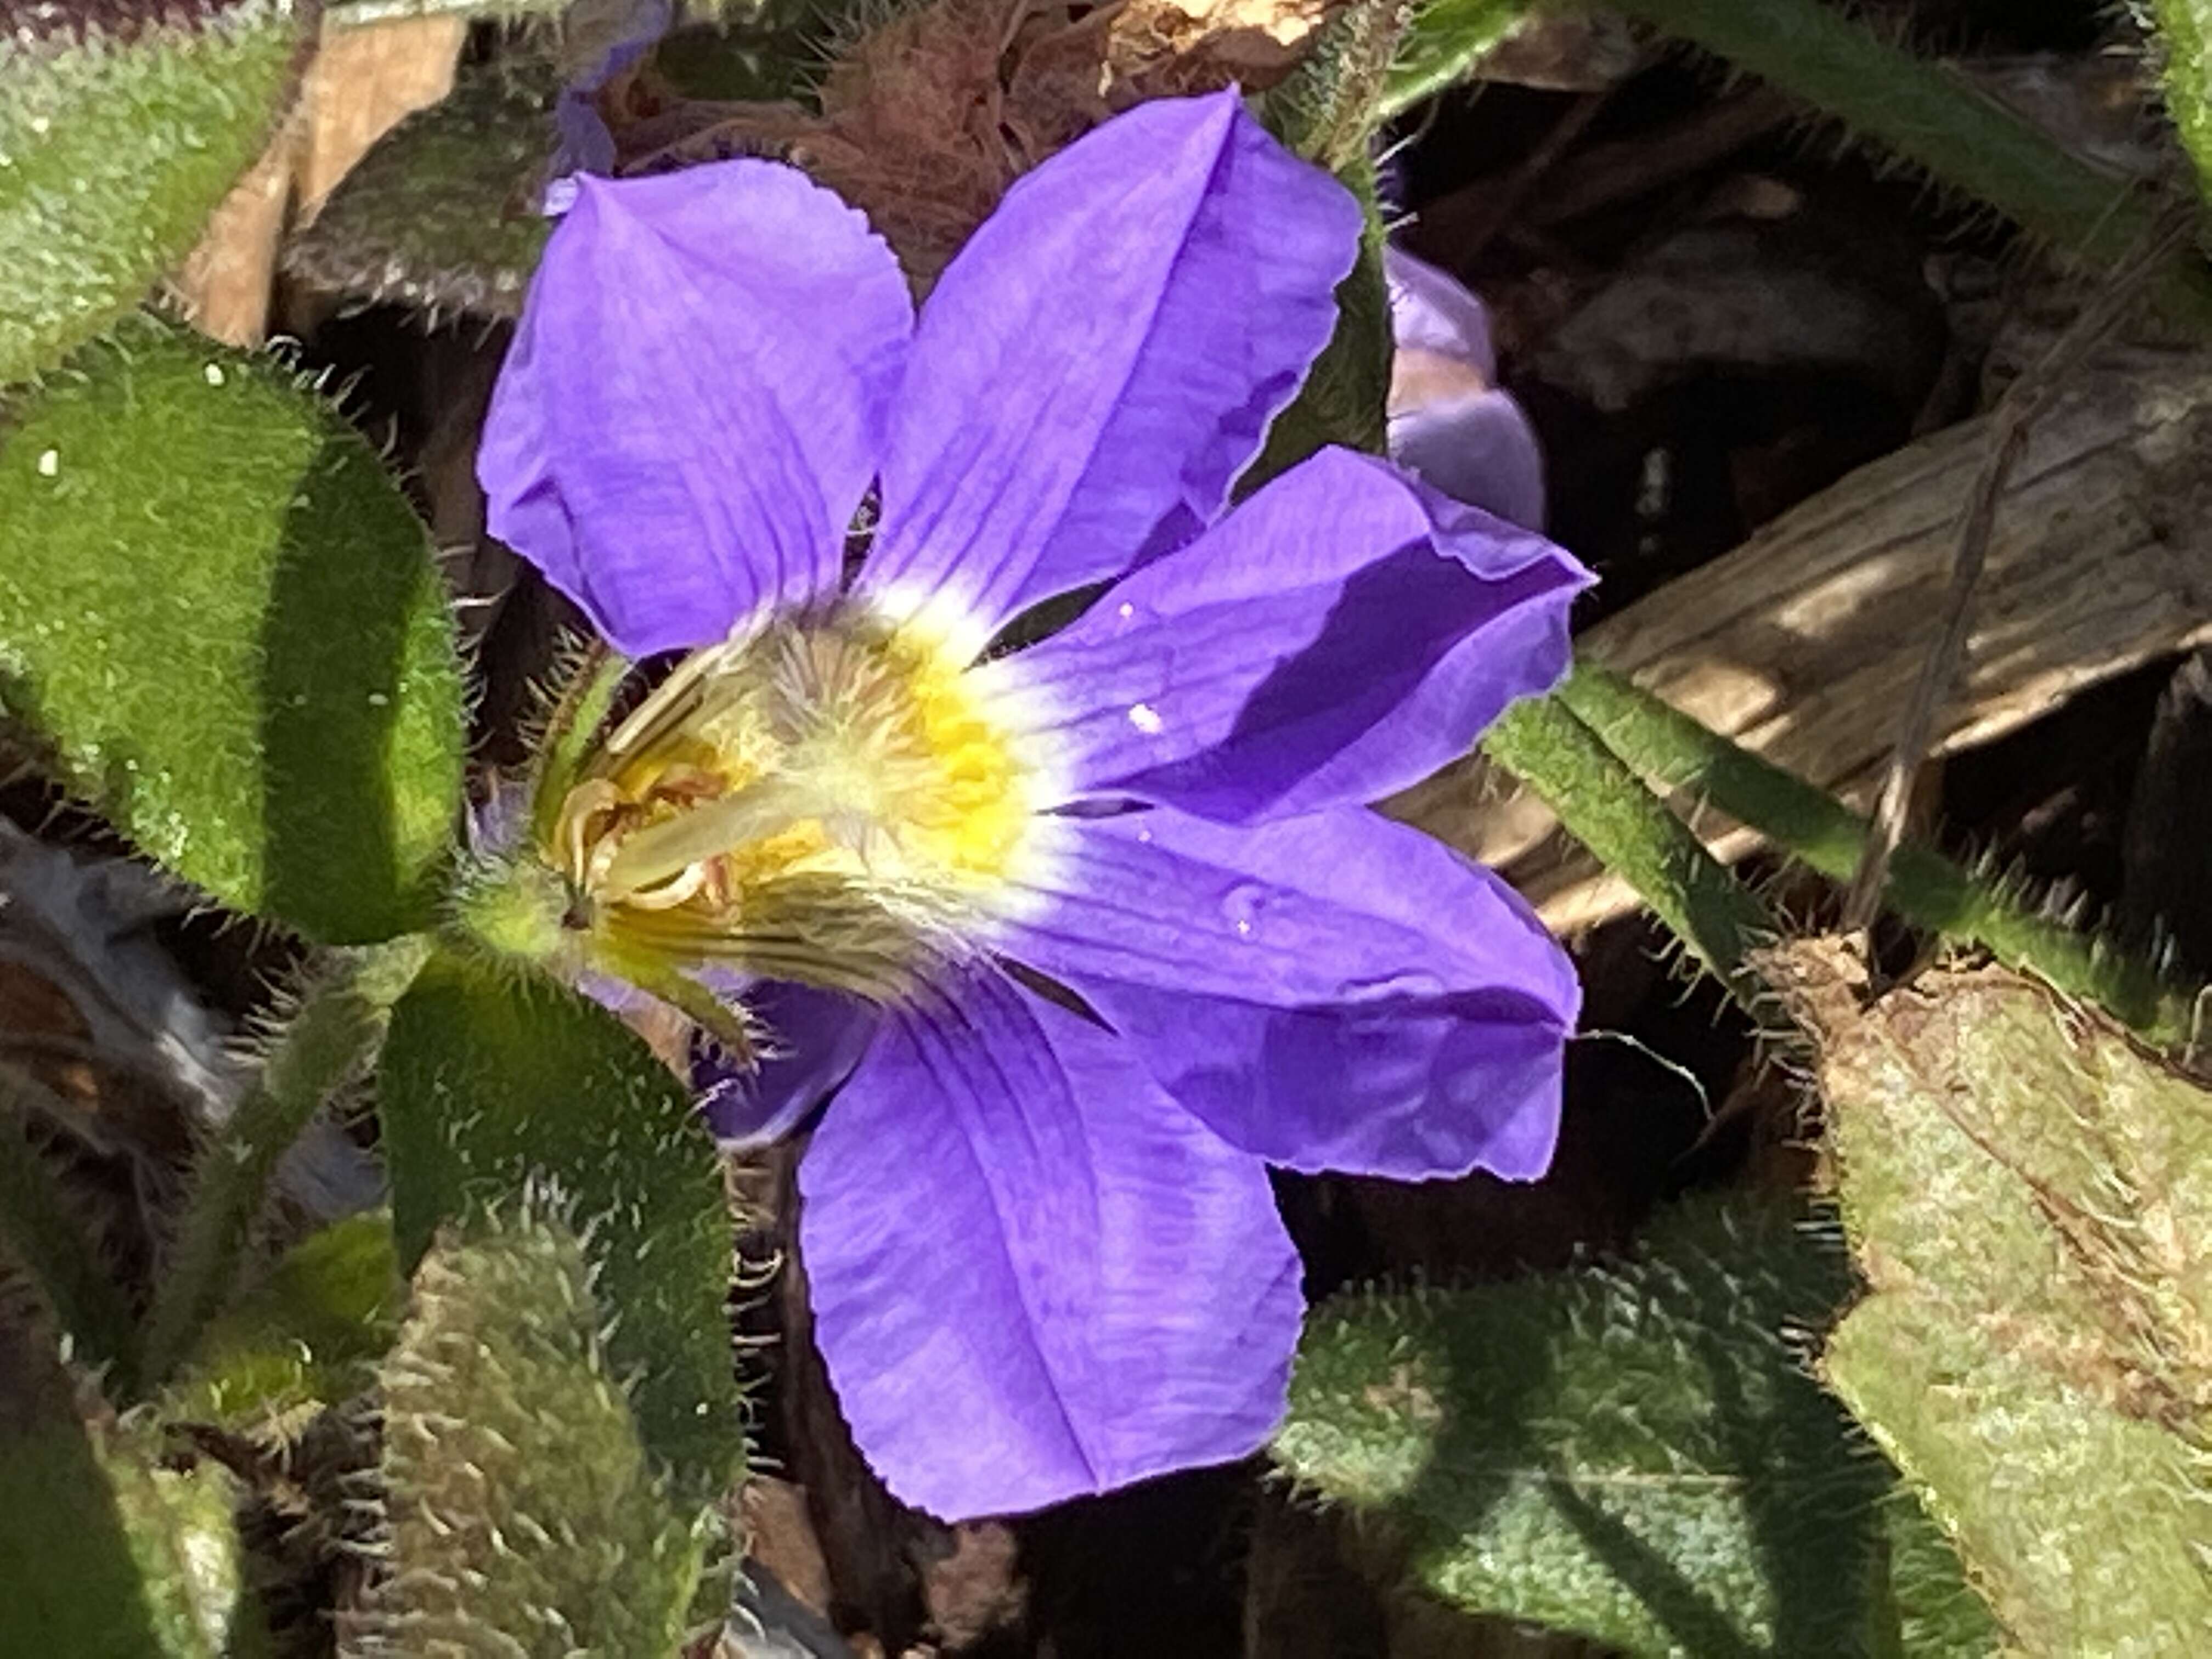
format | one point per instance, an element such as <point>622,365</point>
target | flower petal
<point>1340,635</point>
<point>1333,991</point>
<point>818,1037</point>
<point>1033,1274</point>
<point>1432,310</point>
<point>1448,423</point>
<point>694,402</point>
<point>615,37</point>
<point>1104,356</point>
<point>1477,449</point>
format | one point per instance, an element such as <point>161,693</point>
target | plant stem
<point>1932,117</point>
<point>1612,812</point>
<point>1926,889</point>
<point>328,1041</point>
<point>1447,39</point>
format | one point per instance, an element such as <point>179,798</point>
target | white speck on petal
<point>1243,928</point>
<point>1127,610</point>
<point>1145,719</point>
<point>50,462</point>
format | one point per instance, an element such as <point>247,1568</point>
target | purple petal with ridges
<point>1105,355</point>
<point>816,1037</point>
<point>1333,992</point>
<point>1340,636</point>
<point>1034,1275</point>
<point>695,400</point>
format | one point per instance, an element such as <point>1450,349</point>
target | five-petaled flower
<point>1083,935</point>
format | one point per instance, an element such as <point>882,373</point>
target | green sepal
<point>2029,1195</point>
<point>222,614</point>
<point>522,1514</point>
<point>309,1335</point>
<point>494,1080</point>
<point>116,146</point>
<point>1325,112</point>
<point>1635,1452</point>
<point>443,213</point>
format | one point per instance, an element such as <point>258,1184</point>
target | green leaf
<point>1939,1615</point>
<point>1688,758</point>
<point>442,214</point>
<point>2185,37</point>
<point>493,1082</point>
<point>2030,1197</point>
<point>116,140</point>
<point>523,1517</point>
<point>106,1550</point>
<point>221,613</point>
<point>309,1335</point>
<point>1633,1452</point>
<point>1544,742</point>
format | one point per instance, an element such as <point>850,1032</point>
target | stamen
<point>652,856</point>
<point>824,799</point>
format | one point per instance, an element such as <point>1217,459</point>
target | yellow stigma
<point>826,800</point>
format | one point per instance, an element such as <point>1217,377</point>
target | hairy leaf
<point>1449,38</point>
<point>523,1515</point>
<point>309,1335</point>
<point>492,1083</point>
<point>221,612</point>
<point>2031,1198</point>
<point>2184,36</point>
<point>105,1548</point>
<point>121,126</point>
<point>1633,1452</point>
<point>442,214</point>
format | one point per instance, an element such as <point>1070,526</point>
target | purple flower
<point>613,38</point>
<point>1085,934</point>
<point>1448,422</point>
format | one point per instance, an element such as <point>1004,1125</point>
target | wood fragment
<point>1800,643</point>
<point>364,81</point>
<point>2020,407</point>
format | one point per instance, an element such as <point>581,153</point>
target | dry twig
<point>2024,401</point>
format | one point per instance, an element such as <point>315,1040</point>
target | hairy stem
<point>1925,888</point>
<point>1447,39</point>
<point>329,1039</point>
<point>1612,812</point>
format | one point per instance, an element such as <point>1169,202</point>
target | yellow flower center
<point>825,800</point>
